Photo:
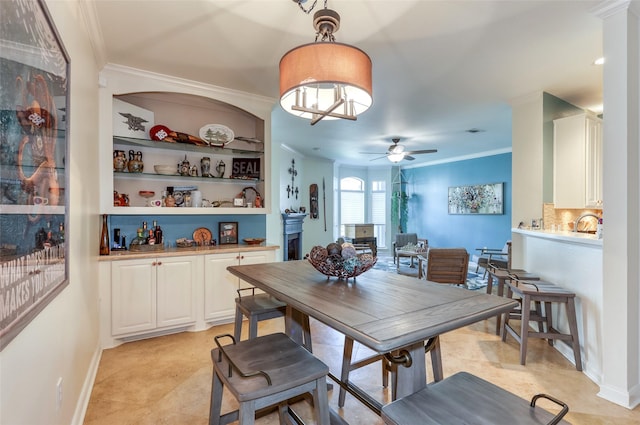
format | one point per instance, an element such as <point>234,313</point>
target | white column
<point>621,246</point>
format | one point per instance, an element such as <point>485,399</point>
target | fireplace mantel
<point>292,236</point>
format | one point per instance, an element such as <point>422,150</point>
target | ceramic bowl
<point>165,169</point>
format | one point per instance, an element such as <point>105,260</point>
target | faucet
<point>579,219</point>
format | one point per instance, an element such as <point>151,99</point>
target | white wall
<point>62,341</point>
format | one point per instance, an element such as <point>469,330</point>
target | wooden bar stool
<point>266,371</point>
<point>466,399</point>
<point>547,293</point>
<point>255,307</point>
<point>501,275</point>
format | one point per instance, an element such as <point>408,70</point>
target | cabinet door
<point>594,163</point>
<point>255,257</point>
<point>133,296</point>
<point>176,283</point>
<point>569,162</point>
<point>220,287</point>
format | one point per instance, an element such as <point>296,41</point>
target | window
<point>351,202</point>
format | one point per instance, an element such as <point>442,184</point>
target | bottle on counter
<point>151,239</point>
<point>599,229</point>
<point>104,237</point>
<point>140,239</point>
<point>157,233</point>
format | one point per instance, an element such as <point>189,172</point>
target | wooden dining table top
<point>382,310</point>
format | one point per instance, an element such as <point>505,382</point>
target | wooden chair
<point>266,371</point>
<point>445,265</point>
<point>404,239</point>
<point>499,257</point>
<point>547,293</point>
<point>466,399</point>
<point>255,307</point>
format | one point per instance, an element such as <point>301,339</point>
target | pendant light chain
<point>307,11</point>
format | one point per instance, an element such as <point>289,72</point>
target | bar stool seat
<point>547,293</point>
<point>266,371</point>
<point>501,275</point>
<point>255,307</point>
<point>467,399</point>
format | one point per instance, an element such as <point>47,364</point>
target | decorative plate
<point>159,132</point>
<point>202,236</point>
<point>216,135</point>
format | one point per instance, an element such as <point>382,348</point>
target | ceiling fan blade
<point>380,157</point>
<point>373,153</point>
<point>408,158</point>
<point>421,151</point>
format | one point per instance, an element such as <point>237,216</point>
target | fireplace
<point>292,236</point>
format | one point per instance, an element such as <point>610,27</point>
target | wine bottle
<point>104,237</point>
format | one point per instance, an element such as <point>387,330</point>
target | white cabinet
<point>577,159</point>
<point>149,294</point>
<point>220,286</point>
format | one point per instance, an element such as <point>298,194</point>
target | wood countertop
<point>178,252</point>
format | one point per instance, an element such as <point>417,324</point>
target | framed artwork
<point>228,232</point>
<point>34,82</point>
<point>476,199</point>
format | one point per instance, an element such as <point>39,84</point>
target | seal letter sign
<point>246,168</point>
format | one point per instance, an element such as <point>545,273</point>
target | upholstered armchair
<point>404,239</point>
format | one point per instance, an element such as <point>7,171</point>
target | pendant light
<point>325,79</point>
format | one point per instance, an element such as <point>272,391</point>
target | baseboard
<point>87,387</point>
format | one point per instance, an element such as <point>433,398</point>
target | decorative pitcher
<point>135,162</point>
<point>184,167</point>
<point>119,161</point>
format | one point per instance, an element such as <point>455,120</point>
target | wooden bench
<point>466,399</point>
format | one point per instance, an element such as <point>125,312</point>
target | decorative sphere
<point>334,249</point>
<point>348,251</point>
<point>319,253</point>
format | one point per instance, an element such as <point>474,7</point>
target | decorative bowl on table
<point>254,241</point>
<point>335,264</point>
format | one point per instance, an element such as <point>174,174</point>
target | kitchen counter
<point>563,236</point>
<point>177,252</point>
<point>574,262</point>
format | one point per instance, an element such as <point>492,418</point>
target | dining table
<point>385,311</point>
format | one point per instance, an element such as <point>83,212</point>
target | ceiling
<point>440,68</point>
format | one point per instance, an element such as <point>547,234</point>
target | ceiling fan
<point>396,152</point>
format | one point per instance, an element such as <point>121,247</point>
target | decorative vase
<point>119,161</point>
<point>104,237</point>
<point>135,162</point>
<point>205,166</point>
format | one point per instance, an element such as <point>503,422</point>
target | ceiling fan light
<point>395,157</point>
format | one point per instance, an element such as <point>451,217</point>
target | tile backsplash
<point>564,218</point>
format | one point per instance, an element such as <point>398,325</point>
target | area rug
<point>475,281</point>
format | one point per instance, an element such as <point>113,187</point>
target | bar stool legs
<point>547,293</point>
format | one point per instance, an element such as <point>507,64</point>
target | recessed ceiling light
<point>598,61</point>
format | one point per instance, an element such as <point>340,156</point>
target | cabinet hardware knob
<point>159,263</point>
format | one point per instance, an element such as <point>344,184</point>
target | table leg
<point>413,378</point>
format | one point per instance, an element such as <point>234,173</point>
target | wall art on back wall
<point>34,82</point>
<point>476,199</point>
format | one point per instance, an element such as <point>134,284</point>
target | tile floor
<point>166,380</point>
